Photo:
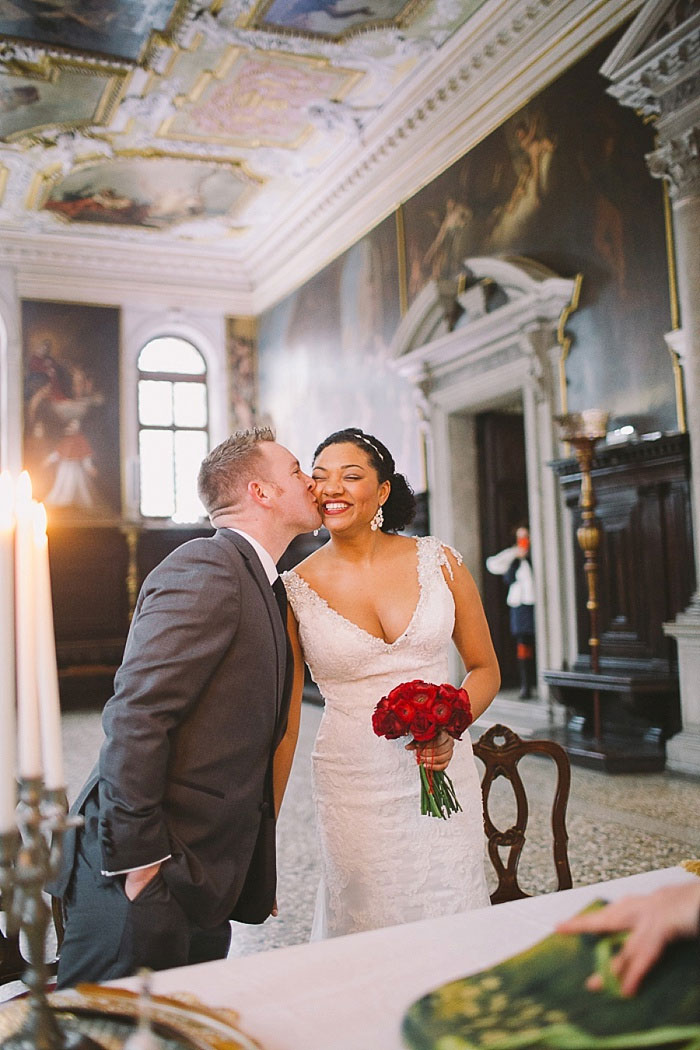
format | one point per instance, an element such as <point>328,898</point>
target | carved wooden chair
<point>500,749</point>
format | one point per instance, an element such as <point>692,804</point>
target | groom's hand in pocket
<point>136,881</point>
<point>435,754</point>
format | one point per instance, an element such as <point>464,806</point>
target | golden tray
<point>108,1016</point>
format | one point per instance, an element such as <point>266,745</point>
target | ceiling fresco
<point>194,120</point>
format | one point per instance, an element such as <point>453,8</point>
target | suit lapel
<point>256,570</point>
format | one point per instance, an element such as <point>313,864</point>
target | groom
<point>179,832</point>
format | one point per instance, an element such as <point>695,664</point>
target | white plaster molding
<point>677,343</point>
<point>61,267</point>
<point>677,161</point>
<point>643,72</point>
<point>536,299</point>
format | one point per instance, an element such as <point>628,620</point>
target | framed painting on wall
<point>119,28</point>
<point>71,407</point>
<point>564,183</point>
<point>242,357</point>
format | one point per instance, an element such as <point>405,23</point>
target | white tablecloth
<point>350,993</point>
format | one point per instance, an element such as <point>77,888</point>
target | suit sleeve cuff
<point>125,871</point>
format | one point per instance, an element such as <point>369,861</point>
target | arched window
<point>173,428</point>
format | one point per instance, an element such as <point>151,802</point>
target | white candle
<point>28,735</point>
<point>8,731</point>
<point>46,669</point>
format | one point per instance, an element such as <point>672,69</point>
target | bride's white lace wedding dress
<point>382,862</point>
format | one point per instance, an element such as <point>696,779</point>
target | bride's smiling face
<point>347,487</point>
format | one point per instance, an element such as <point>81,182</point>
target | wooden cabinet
<point>646,576</point>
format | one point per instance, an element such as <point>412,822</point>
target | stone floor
<point>618,824</point>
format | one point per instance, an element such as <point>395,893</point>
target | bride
<point>375,609</point>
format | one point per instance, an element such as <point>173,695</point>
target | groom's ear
<point>260,492</point>
<point>256,491</point>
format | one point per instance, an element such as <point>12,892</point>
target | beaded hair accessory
<point>371,445</point>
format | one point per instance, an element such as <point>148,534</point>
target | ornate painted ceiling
<point>245,131</point>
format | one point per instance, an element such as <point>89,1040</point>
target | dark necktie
<point>281,596</point>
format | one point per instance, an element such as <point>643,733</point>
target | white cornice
<point>57,267</point>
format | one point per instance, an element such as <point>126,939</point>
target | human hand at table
<point>434,754</point>
<point>653,921</point>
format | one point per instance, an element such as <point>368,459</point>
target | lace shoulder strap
<point>434,550</point>
<point>298,590</point>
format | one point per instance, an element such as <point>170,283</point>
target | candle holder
<point>583,430</point>
<point>29,857</point>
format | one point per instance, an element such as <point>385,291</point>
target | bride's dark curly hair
<point>400,507</point>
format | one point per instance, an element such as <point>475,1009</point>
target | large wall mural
<point>324,361</point>
<point>73,96</point>
<point>110,27</point>
<point>138,191</point>
<point>564,182</point>
<point>332,18</point>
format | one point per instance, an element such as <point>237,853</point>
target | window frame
<point>201,378</point>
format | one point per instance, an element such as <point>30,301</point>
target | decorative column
<point>678,161</point>
<point>655,69</point>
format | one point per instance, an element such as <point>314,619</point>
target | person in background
<point>653,921</point>
<point>515,566</point>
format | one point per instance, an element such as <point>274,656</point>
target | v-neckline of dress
<point>356,626</point>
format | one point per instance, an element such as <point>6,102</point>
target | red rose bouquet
<point>423,709</point>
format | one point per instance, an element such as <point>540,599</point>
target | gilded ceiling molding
<point>31,60</point>
<point>368,52</point>
<point>229,81</point>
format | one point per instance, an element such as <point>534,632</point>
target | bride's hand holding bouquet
<point>429,713</point>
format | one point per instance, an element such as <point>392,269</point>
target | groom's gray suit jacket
<point>197,711</point>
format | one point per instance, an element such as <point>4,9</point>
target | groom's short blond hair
<point>225,473</point>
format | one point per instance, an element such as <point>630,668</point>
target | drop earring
<point>378,519</point>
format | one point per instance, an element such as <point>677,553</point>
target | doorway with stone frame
<point>502,356</point>
<point>503,508</point>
